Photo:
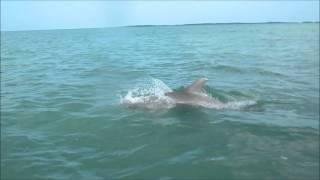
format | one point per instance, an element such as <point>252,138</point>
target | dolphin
<point>195,95</point>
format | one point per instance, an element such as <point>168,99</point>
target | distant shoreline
<point>150,25</point>
<point>201,24</point>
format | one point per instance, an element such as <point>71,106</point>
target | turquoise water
<point>62,115</point>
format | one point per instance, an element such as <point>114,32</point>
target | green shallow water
<point>61,116</point>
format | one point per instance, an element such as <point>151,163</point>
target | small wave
<point>246,70</point>
<point>227,68</point>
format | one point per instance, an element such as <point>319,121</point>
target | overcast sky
<point>30,15</point>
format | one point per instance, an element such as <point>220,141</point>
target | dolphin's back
<point>194,94</point>
<point>181,96</point>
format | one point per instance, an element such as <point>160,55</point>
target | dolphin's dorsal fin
<point>197,86</point>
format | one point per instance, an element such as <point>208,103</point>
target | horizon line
<point>152,25</point>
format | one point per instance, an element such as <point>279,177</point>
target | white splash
<point>234,105</point>
<point>151,96</point>
<point>239,104</point>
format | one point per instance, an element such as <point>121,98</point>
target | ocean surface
<point>65,96</point>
